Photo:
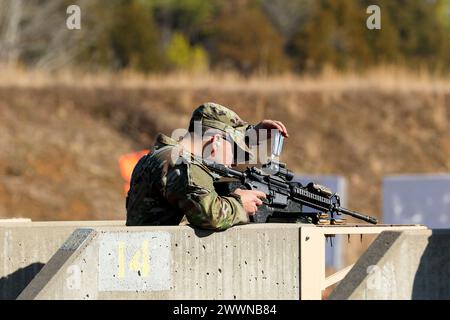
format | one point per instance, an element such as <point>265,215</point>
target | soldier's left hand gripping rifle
<point>285,198</point>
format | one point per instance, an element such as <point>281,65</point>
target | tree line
<point>248,36</point>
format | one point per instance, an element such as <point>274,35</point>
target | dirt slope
<point>60,142</point>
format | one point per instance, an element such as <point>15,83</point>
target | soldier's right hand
<point>251,199</point>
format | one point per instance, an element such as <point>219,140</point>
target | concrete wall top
<point>176,262</point>
<point>28,223</point>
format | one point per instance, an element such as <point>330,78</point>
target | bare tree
<point>10,18</point>
<point>287,15</point>
<point>36,32</point>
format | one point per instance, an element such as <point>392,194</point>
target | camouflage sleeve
<point>191,188</point>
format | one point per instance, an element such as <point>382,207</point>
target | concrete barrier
<point>401,265</point>
<point>26,246</point>
<point>244,262</point>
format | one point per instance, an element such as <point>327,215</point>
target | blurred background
<point>360,104</point>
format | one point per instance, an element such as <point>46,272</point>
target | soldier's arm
<point>191,189</point>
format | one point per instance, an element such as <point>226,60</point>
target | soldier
<point>171,182</point>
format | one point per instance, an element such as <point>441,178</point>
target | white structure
<point>417,199</point>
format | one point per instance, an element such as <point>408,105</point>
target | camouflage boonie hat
<point>218,117</point>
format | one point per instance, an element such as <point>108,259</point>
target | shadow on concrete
<point>359,272</point>
<point>12,285</point>
<point>202,233</point>
<point>432,279</point>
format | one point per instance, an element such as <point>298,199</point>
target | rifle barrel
<point>358,215</point>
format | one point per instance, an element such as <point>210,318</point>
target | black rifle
<point>285,198</point>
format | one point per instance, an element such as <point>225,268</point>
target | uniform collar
<point>163,140</point>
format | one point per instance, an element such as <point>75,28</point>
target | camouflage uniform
<point>164,189</point>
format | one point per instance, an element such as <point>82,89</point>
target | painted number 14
<point>139,261</point>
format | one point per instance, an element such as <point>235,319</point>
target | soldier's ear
<point>209,146</point>
<point>215,140</point>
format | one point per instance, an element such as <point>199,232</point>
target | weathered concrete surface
<point>4,222</point>
<point>401,265</point>
<point>26,246</point>
<point>244,262</point>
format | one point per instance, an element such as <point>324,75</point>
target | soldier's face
<point>219,150</point>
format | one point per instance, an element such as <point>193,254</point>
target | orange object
<point>127,162</point>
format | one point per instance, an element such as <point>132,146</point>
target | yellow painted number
<point>138,263</point>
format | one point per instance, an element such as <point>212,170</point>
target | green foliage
<point>181,56</point>
<point>416,28</point>
<point>134,38</point>
<point>250,36</point>
<point>383,44</point>
<point>413,32</point>
<point>335,36</point>
<point>421,30</point>
<point>243,38</point>
<point>443,13</point>
<point>129,38</point>
<point>186,16</point>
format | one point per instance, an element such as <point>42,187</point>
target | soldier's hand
<point>272,124</point>
<point>251,199</point>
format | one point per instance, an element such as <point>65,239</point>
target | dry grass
<point>385,78</point>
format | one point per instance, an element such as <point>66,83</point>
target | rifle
<point>285,198</point>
